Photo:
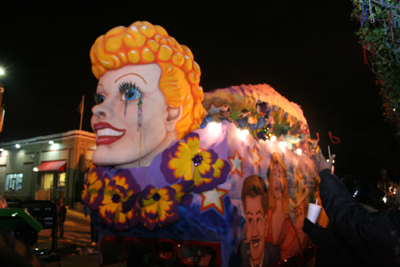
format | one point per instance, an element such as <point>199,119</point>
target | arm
<point>260,123</point>
<point>209,118</point>
<point>339,205</point>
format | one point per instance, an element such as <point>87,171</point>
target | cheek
<point>298,221</point>
<point>277,178</point>
<point>153,122</point>
<point>247,231</point>
<point>278,182</point>
<point>92,121</point>
<point>154,109</point>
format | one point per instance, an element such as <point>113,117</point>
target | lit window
<point>14,182</point>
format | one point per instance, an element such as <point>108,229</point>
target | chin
<point>99,161</point>
<point>103,158</point>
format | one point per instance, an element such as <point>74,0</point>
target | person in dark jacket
<point>61,212</point>
<point>331,250</point>
<point>373,237</point>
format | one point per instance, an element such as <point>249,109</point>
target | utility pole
<point>81,111</point>
<point>2,111</point>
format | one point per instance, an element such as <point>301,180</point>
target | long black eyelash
<point>124,86</point>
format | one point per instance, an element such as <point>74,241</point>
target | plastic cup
<point>313,212</point>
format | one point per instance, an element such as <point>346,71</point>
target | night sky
<point>306,50</point>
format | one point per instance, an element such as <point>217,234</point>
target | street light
<point>1,71</point>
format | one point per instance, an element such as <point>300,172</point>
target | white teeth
<point>108,132</point>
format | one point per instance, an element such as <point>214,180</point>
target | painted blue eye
<point>99,99</point>
<point>129,91</point>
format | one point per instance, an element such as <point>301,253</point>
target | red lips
<point>107,134</point>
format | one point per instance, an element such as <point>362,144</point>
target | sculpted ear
<point>174,115</point>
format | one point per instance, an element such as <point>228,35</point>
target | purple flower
<point>158,207</point>
<point>117,208</point>
<point>188,161</point>
<point>92,194</point>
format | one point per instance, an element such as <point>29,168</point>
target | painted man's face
<point>277,174</point>
<point>117,118</point>
<point>226,114</point>
<point>300,215</point>
<point>256,227</point>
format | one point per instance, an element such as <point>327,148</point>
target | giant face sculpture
<point>131,120</point>
<point>148,94</point>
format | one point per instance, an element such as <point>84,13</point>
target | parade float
<point>187,178</point>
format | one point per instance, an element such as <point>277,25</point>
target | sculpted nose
<point>254,230</point>
<point>102,110</point>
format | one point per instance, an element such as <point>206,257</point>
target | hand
<point>322,163</point>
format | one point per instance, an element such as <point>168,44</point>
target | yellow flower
<point>93,188</point>
<point>114,209</point>
<point>188,161</point>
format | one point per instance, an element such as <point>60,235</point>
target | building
<point>46,167</point>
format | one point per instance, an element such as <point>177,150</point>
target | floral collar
<point>185,167</point>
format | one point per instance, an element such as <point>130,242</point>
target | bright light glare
<point>298,151</point>
<point>51,142</point>
<point>384,199</point>
<point>17,145</point>
<point>214,127</point>
<point>242,134</point>
<point>35,169</point>
<point>273,138</point>
<point>1,71</point>
<point>282,145</point>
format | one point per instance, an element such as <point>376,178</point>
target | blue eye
<point>129,91</point>
<point>99,98</point>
